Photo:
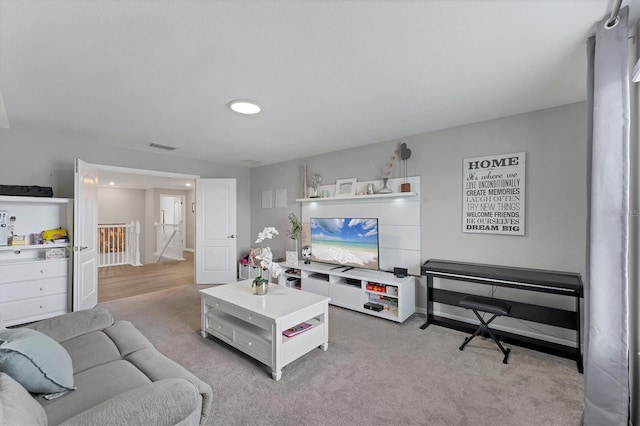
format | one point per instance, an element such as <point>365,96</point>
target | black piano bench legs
<point>492,306</point>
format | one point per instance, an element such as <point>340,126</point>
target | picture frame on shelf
<point>346,187</point>
<point>292,258</point>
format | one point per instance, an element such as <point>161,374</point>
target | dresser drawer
<point>218,325</point>
<point>28,271</point>
<point>247,316</point>
<point>254,346</point>
<point>10,312</point>
<point>30,289</point>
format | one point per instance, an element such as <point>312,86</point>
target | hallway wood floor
<point>117,282</point>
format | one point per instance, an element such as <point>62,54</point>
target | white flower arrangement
<point>266,257</point>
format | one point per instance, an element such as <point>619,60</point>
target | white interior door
<point>215,260</point>
<point>85,226</point>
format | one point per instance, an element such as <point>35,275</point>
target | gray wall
<point>120,205</point>
<point>555,143</point>
<point>46,158</point>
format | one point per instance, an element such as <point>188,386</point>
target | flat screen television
<point>349,242</point>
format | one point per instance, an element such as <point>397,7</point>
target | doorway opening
<point>213,211</point>
<point>144,211</point>
<point>170,230</point>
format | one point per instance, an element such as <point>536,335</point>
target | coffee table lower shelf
<point>260,336</point>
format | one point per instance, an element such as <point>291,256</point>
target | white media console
<point>354,288</point>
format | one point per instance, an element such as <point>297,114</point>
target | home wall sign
<point>493,194</point>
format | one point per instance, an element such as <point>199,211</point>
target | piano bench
<point>489,305</point>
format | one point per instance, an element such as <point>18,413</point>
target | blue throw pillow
<point>36,361</point>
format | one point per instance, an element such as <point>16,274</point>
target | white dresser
<point>33,287</point>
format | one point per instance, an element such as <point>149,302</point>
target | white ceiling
<point>329,75</point>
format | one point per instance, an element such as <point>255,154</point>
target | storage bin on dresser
<point>35,278</point>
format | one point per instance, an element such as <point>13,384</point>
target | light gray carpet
<point>375,372</point>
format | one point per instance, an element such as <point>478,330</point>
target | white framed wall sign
<point>493,194</point>
<point>281,198</point>
<point>266,199</point>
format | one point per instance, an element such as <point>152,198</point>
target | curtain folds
<point>606,371</point>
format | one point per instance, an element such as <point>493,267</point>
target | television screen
<point>345,241</point>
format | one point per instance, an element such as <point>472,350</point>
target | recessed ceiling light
<point>244,107</point>
<point>112,183</point>
<point>187,184</point>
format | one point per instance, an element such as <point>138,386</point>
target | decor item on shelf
<point>314,183</point>
<point>292,258</point>
<point>369,189</point>
<point>387,173</point>
<point>305,188</point>
<point>260,283</point>
<point>306,254</point>
<point>389,165</point>
<point>385,189</point>
<point>405,154</point>
<point>346,187</point>
<point>254,252</point>
<point>4,235</point>
<point>296,229</point>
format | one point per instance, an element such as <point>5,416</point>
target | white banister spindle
<point>119,244</point>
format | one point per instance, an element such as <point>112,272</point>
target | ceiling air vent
<point>166,147</point>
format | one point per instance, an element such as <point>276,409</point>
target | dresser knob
<point>250,318</point>
<point>41,307</point>
<point>42,271</point>
<point>41,288</point>
<point>249,344</point>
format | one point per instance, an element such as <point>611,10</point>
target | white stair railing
<point>119,244</point>
<point>169,241</point>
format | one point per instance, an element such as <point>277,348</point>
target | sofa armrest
<point>74,324</point>
<point>166,402</point>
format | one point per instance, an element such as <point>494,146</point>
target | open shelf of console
<point>355,288</point>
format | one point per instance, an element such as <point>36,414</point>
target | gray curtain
<point>606,372</point>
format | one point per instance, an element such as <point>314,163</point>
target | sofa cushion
<point>74,324</point>
<point>17,407</point>
<point>95,386</point>
<point>127,338</point>
<point>90,350</point>
<point>36,361</point>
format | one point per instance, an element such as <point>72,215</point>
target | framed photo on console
<point>346,187</point>
<point>292,258</point>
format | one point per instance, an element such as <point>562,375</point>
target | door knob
<point>81,248</point>
<point>231,236</point>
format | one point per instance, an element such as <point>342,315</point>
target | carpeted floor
<point>375,372</point>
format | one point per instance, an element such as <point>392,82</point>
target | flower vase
<point>385,189</point>
<point>261,285</point>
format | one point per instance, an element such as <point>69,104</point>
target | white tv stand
<point>353,288</point>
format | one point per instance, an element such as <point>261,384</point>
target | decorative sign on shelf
<point>493,197</point>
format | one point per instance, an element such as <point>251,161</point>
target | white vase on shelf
<point>385,189</point>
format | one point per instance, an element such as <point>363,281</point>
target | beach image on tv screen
<point>345,241</point>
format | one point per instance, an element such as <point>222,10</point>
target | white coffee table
<point>254,324</point>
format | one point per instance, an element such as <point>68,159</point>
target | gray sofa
<point>120,379</point>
